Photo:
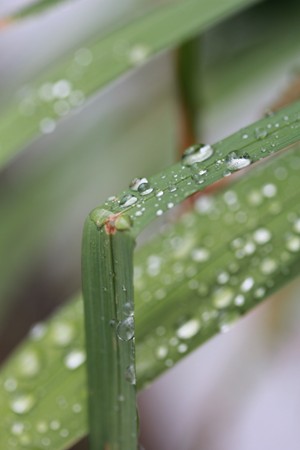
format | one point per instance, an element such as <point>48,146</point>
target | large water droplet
<point>237,160</point>
<point>268,266</point>
<point>29,364</point>
<point>196,154</point>
<point>22,403</point>
<point>293,243</point>
<point>247,284</point>
<point>200,254</point>
<point>222,297</point>
<point>141,185</point>
<point>125,329</point>
<point>127,200</point>
<point>188,329</point>
<point>262,236</point>
<point>74,359</point>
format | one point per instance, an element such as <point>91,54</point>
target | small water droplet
<point>130,375</point>
<point>17,428</point>
<point>38,331</point>
<point>200,254</point>
<point>296,226</point>
<point>83,57</point>
<point>188,329</point>
<point>62,333</point>
<point>159,212</point>
<point>125,329</point>
<point>61,89</point>
<point>47,125</point>
<point>10,384</point>
<point>22,403</point>
<point>269,190</point>
<point>77,408</point>
<point>261,133</point>
<point>237,160</point>
<point>239,300</point>
<point>262,236</point>
<point>247,284</point>
<point>161,352</point>
<point>196,154</point>
<point>127,200</point>
<point>222,297</point>
<point>29,364</point>
<point>138,54</point>
<point>227,320</point>
<point>54,425</point>
<point>293,243</point>
<point>74,359</point>
<point>172,188</point>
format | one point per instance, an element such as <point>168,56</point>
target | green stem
<point>107,278</point>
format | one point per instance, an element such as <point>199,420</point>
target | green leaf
<point>189,284</point>
<point>107,280</point>
<point>35,7</point>
<point>38,107</point>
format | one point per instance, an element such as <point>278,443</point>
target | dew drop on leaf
<point>196,154</point>
<point>293,243</point>
<point>130,374</point>
<point>222,297</point>
<point>127,200</point>
<point>22,404</point>
<point>125,329</point>
<point>74,359</point>
<point>237,160</point>
<point>188,329</point>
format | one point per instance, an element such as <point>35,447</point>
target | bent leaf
<point>190,284</point>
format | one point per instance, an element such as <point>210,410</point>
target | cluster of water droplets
<point>213,299</point>
<point>63,342</point>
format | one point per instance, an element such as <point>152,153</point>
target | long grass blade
<point>37,109</point>
<point>107,276</point>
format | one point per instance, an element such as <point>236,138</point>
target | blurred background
<point>238,391</point>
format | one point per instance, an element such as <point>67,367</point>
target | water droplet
<point>127,200</point>
<point>170,205</point>
<point>188,329</point>
<point>41,427</point>
<point>161,352</point>
<point>47,125</point>
<point>172,188</point>
<point>293,243</point>
<point>262,236</point>
<point>125,329</point>
<point>10,384</point>
<point>200,254</point>
<point>61,89</point>
<point>38,331</point>
<point>17,428</point>
<point>77,408</point>
<point>247,284</point>
<point>141,185</point>
<point>268,266</point>
<point>227,321</point>
<point>45,92</point>
<point>269,190</point>
<point>222,297</point>
<point>182,348</point>
<point>62,333</point>
<point>138,54</point>
<point>74,359</point>
<point>223,277</point>
<point>196,154</point>
<point>22,403</point>
<point>239,300</point>
<point>237,160</point>
<point>54,425</point>
<point>159,212</point>
<point>130,375</point>
<point>297,226</point>
<point>29,364</point>
<point>261,133</point>
<point>83,57</point>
